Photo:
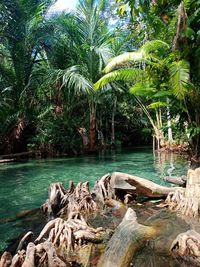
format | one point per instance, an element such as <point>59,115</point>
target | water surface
<point>24,186</point>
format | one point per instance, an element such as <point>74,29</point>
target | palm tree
<point>76,56</point>
<point>20,22</point>
<point>150,58</point>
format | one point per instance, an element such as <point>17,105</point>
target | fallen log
<point>177,180</point>
<point>139,186</point>
<point>186,202</point>
<point>3,161</point>
<point>17,155</point>
<point>187,247</point>
<point>126,240</point>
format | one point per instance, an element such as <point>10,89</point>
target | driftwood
<point>62,201</point>
<point>187,247</point>
<point>127,238</point>
<point>67,235</point>
<point>187,202</point>
<point>178,180</point>
<point>139,186</point>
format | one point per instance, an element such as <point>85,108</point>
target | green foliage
<point>180,78</point>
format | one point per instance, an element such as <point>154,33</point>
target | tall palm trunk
<point>169,124</point>
<point>92,128</point>
<point>113,122</point>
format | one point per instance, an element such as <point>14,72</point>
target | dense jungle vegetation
<point>109,73</point>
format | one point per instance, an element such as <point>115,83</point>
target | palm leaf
<point>142,89</point>
<point>146,52</point>
<point>157,104</point>
<point>126,57</point>
<point>120,75</point>
<point>179,78</point>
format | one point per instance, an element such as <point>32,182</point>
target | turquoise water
<point>24,186</point>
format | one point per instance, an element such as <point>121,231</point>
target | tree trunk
<point>169,124</point>
<point>83,132</point>
<point>186,202</point>
<point>92,130</point>
<point>113,122</point>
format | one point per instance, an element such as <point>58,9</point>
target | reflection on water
<point>24,186</point>
<point>170,164</point>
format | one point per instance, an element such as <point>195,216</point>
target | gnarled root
<point>102,188</point>
<point>187,246</point>
<point>62,202</point>
<point>71,233</point>
<point>42,255</point>
<point>187,202</point>
<point>6,259</point>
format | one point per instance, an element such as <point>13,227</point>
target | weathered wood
<point>25,239</point>
<point>139,186</point>
<point>62,201</point>
<point>6,259</point>
<point>127,238</point>
<point>187,202</point>
<point>102,189</point>
<point>69,234</point>
<point>30,256</point>
<point>187,247</point>
<point>177,180</point>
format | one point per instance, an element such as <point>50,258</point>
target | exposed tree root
<point>187,202</point>
<point>6,259</point>
<point>67,235</point>
<point>62,201</point>
<point>42,255</point>
<point>58,238</point>
<point>102,188</point>
<point>187,246</point>
<point>25,239</point>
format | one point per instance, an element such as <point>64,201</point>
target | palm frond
<point>126,57</point>
<point>142,89</point>
<point>179,78</point>
<point>120,75</point>
<point>156,105</point>
<point>155,46</point>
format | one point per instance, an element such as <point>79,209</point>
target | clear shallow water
<point>24,186</point>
